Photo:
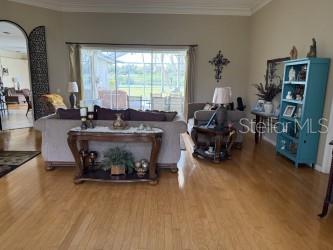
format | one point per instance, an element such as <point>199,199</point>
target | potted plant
<point>267,93</point>
<point>118,161</point>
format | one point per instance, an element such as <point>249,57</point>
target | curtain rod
<point>136,44</point>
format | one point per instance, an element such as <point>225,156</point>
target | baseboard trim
<point>321,169</point>
<point>269,140</point>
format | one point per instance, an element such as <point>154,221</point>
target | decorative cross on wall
<point>219,61</point>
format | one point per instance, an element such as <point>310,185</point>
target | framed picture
<point>289,111</point>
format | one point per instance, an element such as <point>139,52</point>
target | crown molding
<point>144,9</point>
<point>259,6</point>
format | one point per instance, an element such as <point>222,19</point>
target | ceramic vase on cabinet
<point>268,107</point>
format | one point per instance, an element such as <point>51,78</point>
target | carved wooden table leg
<point>230,142</point>
<point>156,144</point>
<point>256,135</point>
<point>72,143</point>
<point>218,141</point>
<point>84,145</point>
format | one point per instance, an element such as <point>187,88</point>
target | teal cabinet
<point>301,109</point>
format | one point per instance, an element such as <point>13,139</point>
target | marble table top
<point>129,130</point>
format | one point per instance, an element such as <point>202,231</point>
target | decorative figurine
<point>289,96</point>
<point>301,76</point>
<point>219,61</point>
<point>292,74</point>
<point>313,49</point>
<point>119,123</point>
<point>293,53</point>
<point>92,158</point>
<point>145,164</point>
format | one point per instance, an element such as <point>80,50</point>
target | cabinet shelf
<point>294,139</point>
<point>287,154</point>
<point>293,101</point>
<point>295,82</point>
<point>292,119</point>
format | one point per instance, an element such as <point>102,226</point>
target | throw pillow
<point>207,106</point>
<point>170,115</point>
<point>136,115</point>
<point>110,114</point>
<point>68,114</point>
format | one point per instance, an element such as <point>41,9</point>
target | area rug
<point>10,160</point>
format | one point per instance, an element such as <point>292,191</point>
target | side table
<point>220,135</point>
<point>260,118</point>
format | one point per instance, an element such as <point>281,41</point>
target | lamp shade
<point>222,95</point>
<point>72,87</point>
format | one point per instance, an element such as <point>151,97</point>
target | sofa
<point>56,152</point>
<point>197,116</point>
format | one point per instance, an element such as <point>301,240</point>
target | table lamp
<point>222,97</point>
<point>72,88</point>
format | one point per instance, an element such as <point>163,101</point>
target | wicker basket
<point>118,170</point>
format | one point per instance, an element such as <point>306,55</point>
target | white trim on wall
<point>327,157</point>
<point>159,8</point>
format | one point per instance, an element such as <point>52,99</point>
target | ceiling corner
<point>259,6</point>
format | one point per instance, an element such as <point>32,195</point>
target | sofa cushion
<point>169,115</point>
<point>110,114</point>
<point>68,114</point>
<point>136,115</point>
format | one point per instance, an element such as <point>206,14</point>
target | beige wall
<point>17,68</point>
<point>284,23</point>
<point>211,33</point>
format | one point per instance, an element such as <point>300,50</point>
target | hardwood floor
<point>257,200</point>
<point>16,117</point>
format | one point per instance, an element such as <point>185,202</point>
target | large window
<point>134,78</point>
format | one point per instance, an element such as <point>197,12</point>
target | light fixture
<point>222,97</point>
<point>72,88</point>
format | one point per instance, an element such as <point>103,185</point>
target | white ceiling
<point>204,7</point>
<point>15,41</point>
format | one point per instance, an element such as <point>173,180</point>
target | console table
<point>78,139</point>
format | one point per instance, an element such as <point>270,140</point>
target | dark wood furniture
<point>223,141</point>
<point>79,140</point>
<point>329,193</point>
<point>261,118</point>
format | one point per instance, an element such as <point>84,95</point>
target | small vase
<point>268,107</point>
<point>119,123</point>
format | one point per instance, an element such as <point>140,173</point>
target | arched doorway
<point>15,84</point>
<point>26,83</point>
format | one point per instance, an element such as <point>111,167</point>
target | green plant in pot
<point>119,161</point>
<point>267,93</point>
